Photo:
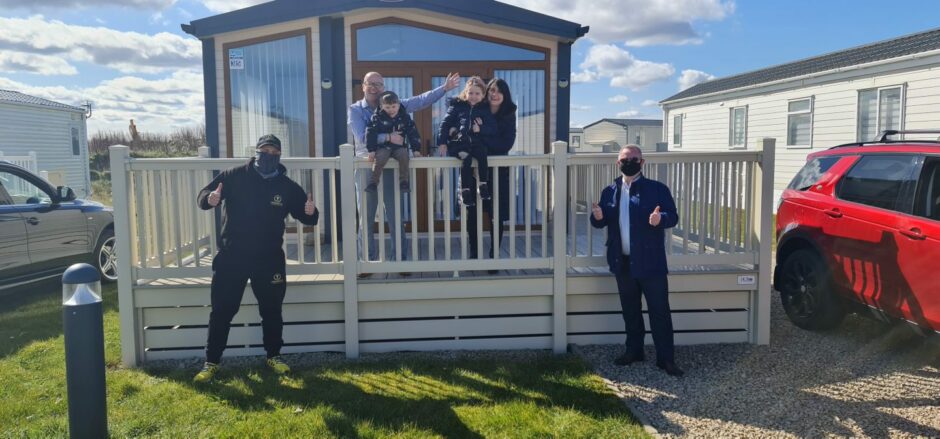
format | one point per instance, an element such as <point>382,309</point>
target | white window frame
<point>812,107</point>
<point>879,90</point>
<point>575,140</point>
<point>731,144</point>
<point>680,117</point>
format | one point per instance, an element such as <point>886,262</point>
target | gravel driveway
<point>863,379</point>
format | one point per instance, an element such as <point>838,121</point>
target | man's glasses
<point>375,84</point>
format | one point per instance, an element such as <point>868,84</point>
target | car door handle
<point>913,233</point>
<point>32,220</point>
<point>835,213</point>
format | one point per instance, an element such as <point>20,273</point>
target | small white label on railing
<point>746,280</point>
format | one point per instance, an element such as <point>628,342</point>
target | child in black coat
<point>463,132</point>
<point>391,117</point>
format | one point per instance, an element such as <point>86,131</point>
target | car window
<point>21,190</point>
<point>877,180</point>
<point>812,172</point>
<point>927,198</point>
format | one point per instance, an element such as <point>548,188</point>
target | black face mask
<point>630,167</point>
<point>267,163</point>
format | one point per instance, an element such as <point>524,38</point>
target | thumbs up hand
<point>655,217</point>
<point>309,206</point>
<point>215,197</point>
<point>598,213</point>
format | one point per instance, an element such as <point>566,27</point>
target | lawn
<point>399,395</point>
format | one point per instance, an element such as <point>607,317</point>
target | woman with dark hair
<point>499,99</point>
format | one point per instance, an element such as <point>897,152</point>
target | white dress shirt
<point>625,216</point>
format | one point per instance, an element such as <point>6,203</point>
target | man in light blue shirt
<point>358,116</point>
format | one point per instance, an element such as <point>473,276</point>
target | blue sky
<point>131,58</point>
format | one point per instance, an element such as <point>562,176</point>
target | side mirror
<point>65,193</point>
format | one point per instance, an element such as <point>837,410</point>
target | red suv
<point>859,227</point>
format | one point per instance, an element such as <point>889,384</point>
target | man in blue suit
<point>636,212</point>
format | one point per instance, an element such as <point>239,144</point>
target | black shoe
<point>626,359</point>
<point>670,368</point>
<point>404,187</point>
<point>485,192</point>
<point>372,188</point>
<point>468,198</point>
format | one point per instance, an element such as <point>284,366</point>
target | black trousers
<point>467,181</point>
<point>472,229</point>
<point>656,291</point>
<point>231,272</point>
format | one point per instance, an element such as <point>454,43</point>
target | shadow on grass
<point>416,393</point>
<point>34,312</point>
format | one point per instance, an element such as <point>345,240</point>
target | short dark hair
<point>389,98</point>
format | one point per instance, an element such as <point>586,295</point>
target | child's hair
<point>389,98</point>
<point>474,81</point>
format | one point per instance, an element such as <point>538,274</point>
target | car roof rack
<point>883,139</point>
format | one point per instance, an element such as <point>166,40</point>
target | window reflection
<point>397,42</point>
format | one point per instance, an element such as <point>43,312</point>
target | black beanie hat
<point>269,139</point>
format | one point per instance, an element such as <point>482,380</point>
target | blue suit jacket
<point>647,243</point>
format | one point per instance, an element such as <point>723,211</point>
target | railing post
<point>559,247</point>
<point>763,229</point>
<point>347,166</point>
<point>120,198</point>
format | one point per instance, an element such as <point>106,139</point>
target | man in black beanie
<point>257,198</point>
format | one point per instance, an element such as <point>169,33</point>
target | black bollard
<point>83,324</point>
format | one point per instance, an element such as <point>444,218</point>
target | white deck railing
<point>715,193</point>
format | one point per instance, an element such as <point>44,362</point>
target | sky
<point>132,60</point>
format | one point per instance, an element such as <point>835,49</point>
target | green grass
<point>544,396</point>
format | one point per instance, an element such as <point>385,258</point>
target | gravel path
<point>864,379</point>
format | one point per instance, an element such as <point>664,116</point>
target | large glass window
<point>877,180</point>
<point>398,42</point>
<point>528,91</point>
<point>800,123</point>
<point>269,95</point>
<point>738,128</point>
<point>878,110</point>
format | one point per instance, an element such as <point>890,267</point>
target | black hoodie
<point>254,209</point>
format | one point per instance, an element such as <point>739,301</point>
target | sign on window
<point>236,59</point>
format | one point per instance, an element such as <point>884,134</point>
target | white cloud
<point>623,69</point>
<point>650,103</point>
<point>230,5</point>
<point>38,64</point>
<point>160,105</point>
<point>34,5</point>
<point>629,113</point>
<point>619,99</point>
<point>690,77</point>
<point>575,107</point>
<point>636,22</point>
<point>128,52</point>
<point>581,77</point>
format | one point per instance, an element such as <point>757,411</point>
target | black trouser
<point>472,229</point>
<point>231,272</point>
<point>478,152</point>
<point>656,291</point>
